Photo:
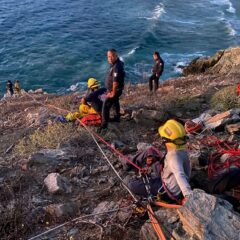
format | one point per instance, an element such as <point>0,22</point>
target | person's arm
<point>175,165</point>
<point>87,99</point>
<point>117,73</point>
<point>114,90</point>
<point>159,68</point>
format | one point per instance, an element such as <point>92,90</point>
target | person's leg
<point>138,187</point>
<point>156,83</point>
<point>116,104</point>
<point>106,112</point>
<point>151,83</point>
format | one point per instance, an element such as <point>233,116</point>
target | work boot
<point>102,130</point>
<point>115,119</point>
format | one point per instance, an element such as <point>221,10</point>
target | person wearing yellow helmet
<point>176,171</point>
<point>94,97</point>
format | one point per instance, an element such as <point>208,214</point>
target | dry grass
<point>48,137</point>
<point>66,102</point>
<point>226,99</point>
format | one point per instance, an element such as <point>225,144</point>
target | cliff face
<point>53,172</point>
<point>224,62</point>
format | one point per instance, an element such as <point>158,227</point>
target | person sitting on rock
<point>9,88</point>
<point>171,183</point>
<point>95,96</point>
<point>91,103</point>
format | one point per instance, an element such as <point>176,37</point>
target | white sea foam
<point>221,2</point>
<point>179,67</point>
<point>231,31</point>
<point>228,3</point>
<point>132,51</point>
<point>158,11</point>
<point>75,87</point>
<point>231,9</point>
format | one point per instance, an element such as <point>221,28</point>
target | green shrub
<point>48,138</point>
<point>225,99</point>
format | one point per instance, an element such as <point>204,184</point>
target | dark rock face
<point>223,62</point>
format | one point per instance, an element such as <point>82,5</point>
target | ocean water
<point>57,45</point>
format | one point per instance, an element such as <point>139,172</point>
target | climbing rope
<point>220,148</point>
<point>94,135</point>
<point>75,220</point>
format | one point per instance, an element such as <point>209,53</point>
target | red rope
<point>221,147</point>
<point>119,153</point>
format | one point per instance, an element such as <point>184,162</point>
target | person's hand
<point>110,95</point>
<point>149,160</point>
<point>146,170</point>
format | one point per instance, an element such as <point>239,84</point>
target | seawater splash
<point>132,51</point>
<point>179,67</point>
<point>227,3</point>
<point>158,11</point>
<point>231,30</point>
<point>231,9</point>
<point>76,87</point>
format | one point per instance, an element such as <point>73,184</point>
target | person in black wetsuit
<point>115,84</point>
<point>157,71</point>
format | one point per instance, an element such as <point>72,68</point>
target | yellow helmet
<point>173,133</point>
<point>93,83</point>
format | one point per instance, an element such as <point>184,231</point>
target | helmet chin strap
<point>177,141</point>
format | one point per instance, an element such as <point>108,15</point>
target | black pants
<point>154,79</point>
<point>138,187</point>
<point>108,103</point>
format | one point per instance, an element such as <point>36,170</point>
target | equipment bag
<point>92,119</point>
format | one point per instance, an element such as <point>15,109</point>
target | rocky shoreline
<point>53,173</point>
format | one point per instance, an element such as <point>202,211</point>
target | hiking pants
<point>154,79</point>
<point>108,103</point>
<point>137,186</point>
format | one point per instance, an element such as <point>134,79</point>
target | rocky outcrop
<point>146,117</point>
<point>224,62</point>
<point>203,217</point>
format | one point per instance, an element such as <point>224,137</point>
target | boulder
<point>55,183</point>
<point>38,117</point>
<point>207,217</point>
<point>223,62</point>
<point>39,91</point>
<point>148,118</point>
<point>62,210</point>
<point>104,207</point>
<point>122,214</point>
<point>221,119</point>
<point>169,222</point>
<point>50,157</point>
<point>202,217</point>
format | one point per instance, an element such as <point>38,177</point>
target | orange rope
<point>167,205</point>
<point>155,223</point>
